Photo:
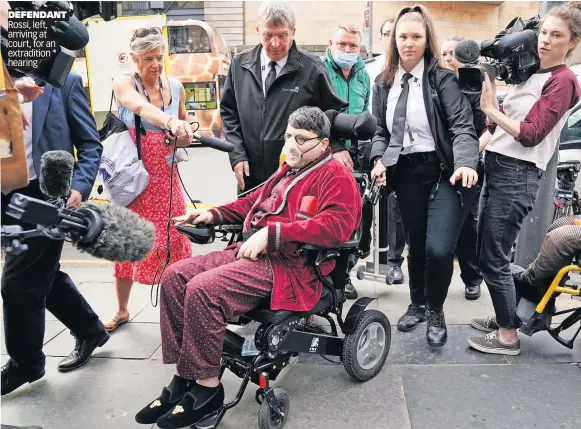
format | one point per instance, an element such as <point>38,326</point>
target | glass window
<point>223,45</point>
<point>574,125</point>
<point>200,95</point>
<point>187,5</point>
<point>191,39</point>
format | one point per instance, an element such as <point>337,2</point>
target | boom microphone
<point>345,126</point>
<point>56,173</point>
<point>467,51</point>
<point>215,143</point>
<point>115,233</point>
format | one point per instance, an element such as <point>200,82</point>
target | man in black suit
<point>33,281</point>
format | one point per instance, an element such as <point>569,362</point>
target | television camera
<point>512,53</point>
<point>70,34</point>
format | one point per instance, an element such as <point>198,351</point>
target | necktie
<point>270,77</point>
<point>391,155</point>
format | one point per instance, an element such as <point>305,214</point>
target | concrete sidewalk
<point>419,388</point>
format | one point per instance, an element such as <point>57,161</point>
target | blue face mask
<point>345,60</point>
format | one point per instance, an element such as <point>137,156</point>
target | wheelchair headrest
<point>358,127</point>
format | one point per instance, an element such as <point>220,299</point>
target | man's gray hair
<point>349,28</point>
<point>276,13</point>
<point>311,119</point>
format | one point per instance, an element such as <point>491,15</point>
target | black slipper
<point>195,405</point>
<point>159,406</point>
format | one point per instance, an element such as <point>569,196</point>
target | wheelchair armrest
<point>351,244</point>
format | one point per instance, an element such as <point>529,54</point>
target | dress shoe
<point>437,334</point>
<point>14,377</point>
<point>350,291</point>
<point>472,292</point>
<point>83,351</point>
<point>394,275</point>
<point>414,315</point>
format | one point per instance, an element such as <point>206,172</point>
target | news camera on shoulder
<point>512,53</point>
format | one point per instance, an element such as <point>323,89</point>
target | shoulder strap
<point>137,119</point>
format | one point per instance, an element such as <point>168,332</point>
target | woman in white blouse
<point>427,147</point>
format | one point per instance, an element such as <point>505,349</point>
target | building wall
<point>228,18</point>
<point>316,20</point>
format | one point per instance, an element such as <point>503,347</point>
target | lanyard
<point>146,93</point>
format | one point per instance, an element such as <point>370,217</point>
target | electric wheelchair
<point>536,314</point>
<point>282,335</point>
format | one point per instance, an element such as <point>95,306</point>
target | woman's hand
<point>468,175</point>
<point>194,217</point>
<point>379,173</point>
<point>488,100</point>
<point>180,129</point>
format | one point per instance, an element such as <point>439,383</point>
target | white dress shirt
<point>417,123</point>
<point>265,67</point>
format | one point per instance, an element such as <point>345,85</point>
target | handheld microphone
<point>345,126</point>
<point>215,143</point>
<point>114,233</point>
<point>56,173</point>
<point>467,51</point>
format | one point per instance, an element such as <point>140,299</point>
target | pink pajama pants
<point>198,296</point>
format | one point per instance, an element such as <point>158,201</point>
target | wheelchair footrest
<point>211,421</point>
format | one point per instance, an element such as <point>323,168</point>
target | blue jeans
<point>511,187</point>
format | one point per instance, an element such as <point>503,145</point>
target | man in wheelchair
<point>542,281</point>
<point>311,199</point>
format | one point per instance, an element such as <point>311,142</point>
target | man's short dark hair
<point>311,119</point>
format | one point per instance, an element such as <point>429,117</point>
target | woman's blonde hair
<point>146,39</point>
<point>416,13</point>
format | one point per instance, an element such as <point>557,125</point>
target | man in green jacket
<point>347,69</point>
<point>351,82</point>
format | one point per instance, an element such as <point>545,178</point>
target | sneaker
<point>485,325</point>
<point>490,343</point>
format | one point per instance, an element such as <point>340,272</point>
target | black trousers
<point>32,282</point>
<point>432,212</point>
<point>395,233</point>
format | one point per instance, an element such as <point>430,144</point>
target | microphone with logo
<point>104,231</point>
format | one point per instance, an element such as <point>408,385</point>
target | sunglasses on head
<point>143,32</point>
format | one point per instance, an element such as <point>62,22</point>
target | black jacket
<point>255,124</point>
<point>449,113</point>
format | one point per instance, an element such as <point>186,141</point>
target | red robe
<point>331,211</point>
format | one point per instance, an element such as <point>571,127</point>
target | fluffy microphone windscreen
<point>71,34</point>
<point>56,173</point>
<point>125,236</point>
<point>467,51</point>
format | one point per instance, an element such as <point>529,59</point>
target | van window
<point>190,39</point>
<point>200,95</point>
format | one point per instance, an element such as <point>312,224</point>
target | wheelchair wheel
<point>365,350</point>
<point>267,419</point>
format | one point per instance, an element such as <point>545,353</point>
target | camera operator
<point>32,281</point>
<point>518,151</point>
<point>426,141</point>
<point>466,246</point>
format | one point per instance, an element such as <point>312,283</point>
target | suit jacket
<point>333,214</point>
<point>62,120</point>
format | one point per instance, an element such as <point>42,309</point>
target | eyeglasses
<point>143,32</point>
<point>301,140</point>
